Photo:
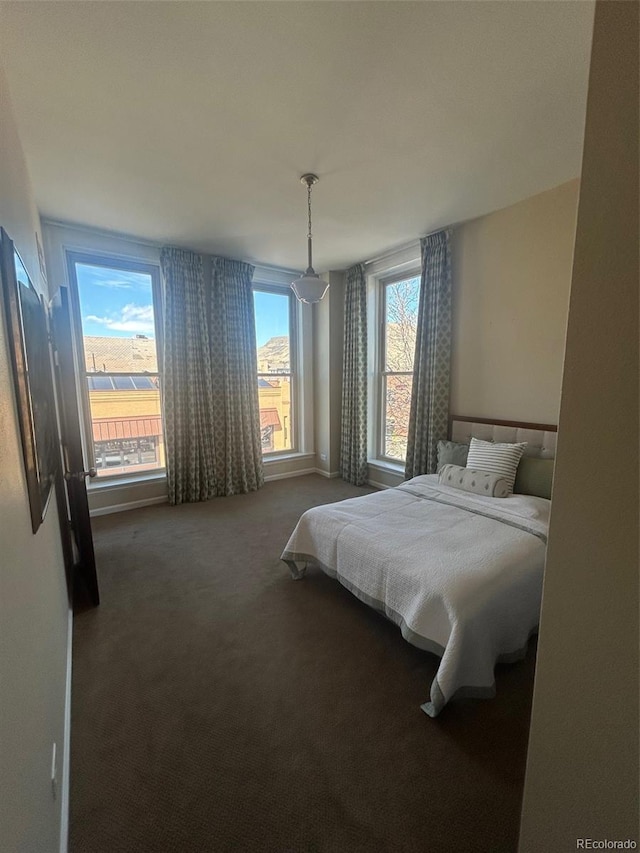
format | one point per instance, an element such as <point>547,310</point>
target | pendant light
<point>309,287</point>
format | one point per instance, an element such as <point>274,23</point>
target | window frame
<point>293,373</point>
<point>99,259</point>
<point>382,283</point>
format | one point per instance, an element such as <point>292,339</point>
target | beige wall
<point>582,771</point>
<point>34,614</point>
<point>511,277</point>
<point>328,345</point>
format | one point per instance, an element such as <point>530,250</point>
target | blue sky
<point>272,315</point>
<point>117,303</point>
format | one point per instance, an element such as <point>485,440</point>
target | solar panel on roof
<point>123,383</point>
<point>143,383</point>
<point>100,383</point>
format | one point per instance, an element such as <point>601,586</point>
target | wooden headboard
<point>540,438</point>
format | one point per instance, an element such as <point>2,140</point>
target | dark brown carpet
<point>220,706</point>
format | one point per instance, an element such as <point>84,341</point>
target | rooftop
<point>120,355</point>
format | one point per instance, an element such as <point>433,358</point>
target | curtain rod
<point>404,246</point>
<point>394,251</point>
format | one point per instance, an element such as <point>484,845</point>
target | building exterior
<point>124,402</point>
<point>274,394</point>
<point>274,397</point>
<point>125,405</point>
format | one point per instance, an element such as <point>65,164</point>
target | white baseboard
<point>66,746</point>
<point>107,510</point>
<point>286,474</point>
<point>123,507</point>
<point>377,485</point>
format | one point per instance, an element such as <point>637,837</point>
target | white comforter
<point>461,574</point>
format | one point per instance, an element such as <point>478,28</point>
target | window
<point>276,369</point>
<point>115,306</point>
<point>399,315</point>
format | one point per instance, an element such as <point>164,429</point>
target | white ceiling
<point>190,123</point>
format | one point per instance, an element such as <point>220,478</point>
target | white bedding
<point>461,574</point>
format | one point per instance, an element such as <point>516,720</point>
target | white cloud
<point>132,318</point>
<point>113,284</point>
<point>140,312</point>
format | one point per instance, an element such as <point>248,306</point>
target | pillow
<point>452,453</point>
<point>534,477</point>
<point>501,459</point>
<point>479,482</point>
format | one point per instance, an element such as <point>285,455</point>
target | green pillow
<point>452,453</point>
<point>534,477</point>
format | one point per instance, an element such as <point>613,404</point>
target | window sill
<point>382,465</point>
<point>98,485</point>
<point>286,457</point>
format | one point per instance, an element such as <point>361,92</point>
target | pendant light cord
<point>310,269</point>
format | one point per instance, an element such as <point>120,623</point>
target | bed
<point>460,573</point>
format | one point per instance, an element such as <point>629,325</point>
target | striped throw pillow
<point>500,459</point>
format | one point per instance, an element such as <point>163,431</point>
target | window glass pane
<point>116,312</point>
<point>397,405</point>
<point>401,320</point>
<point>272,332</point>
<point>126,426</point>
<point>127,455</point>
<point>273,339</point>
<point>274,397</point>
<point>142,383</point>
<point>116,307</point>
<point>100,383</point>
<point>123,383</point>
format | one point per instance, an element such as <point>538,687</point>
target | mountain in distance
<point>273,356</point>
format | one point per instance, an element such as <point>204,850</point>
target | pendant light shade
<point>309,288</point>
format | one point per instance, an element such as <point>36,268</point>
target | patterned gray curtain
<point>429,416</point>
<point>209,379</point>
<point>186,379</point>
<point>353,446</point>
<point>234,381</point>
